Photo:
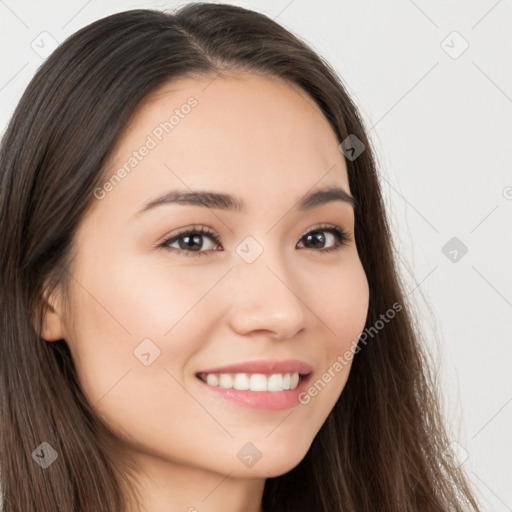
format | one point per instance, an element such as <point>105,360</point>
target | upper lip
<point>266,367</point>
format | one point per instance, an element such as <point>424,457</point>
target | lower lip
<point>263,400</point>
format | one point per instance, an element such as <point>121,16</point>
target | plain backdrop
<point>433,81</point>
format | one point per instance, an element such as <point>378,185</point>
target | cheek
<point>121,317</point>
<point>128,312</point>
<point>125,315</point>
<point>342,308</point>
<point>341,303</point>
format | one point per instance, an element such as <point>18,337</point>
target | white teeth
<point>225,380</point>
<point>253,382</point>
<point>241,382</point>
<point>275,382</point>
<point>258,382</point>
<point>212,379</point>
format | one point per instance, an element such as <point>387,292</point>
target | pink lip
<point>262,400</point>
<point>266,367</point>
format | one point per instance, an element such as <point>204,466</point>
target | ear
<point>52,328</point>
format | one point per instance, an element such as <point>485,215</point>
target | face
<point>155,302</point>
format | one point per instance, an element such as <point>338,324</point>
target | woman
<point>272,373</point>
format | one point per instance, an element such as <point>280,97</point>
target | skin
<point>267,143</point>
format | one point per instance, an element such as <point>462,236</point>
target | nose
<point>267,299</point>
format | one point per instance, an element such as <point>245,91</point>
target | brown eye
<point>190,242</point>
<point>317,237</point>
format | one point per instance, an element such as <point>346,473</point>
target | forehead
<point>232,133</point>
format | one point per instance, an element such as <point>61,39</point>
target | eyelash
<point>342,236</point>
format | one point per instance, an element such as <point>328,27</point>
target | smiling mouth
<point>253,381</point>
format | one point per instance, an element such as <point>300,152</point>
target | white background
<point>441,122</point>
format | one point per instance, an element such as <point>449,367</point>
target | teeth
<point>258,382</point>
<point>253,382</point>
<point>212,379</point>
<point>225,380</point>
<point>241,382</point>
<point>275,382</point>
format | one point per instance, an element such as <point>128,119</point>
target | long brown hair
<point>382,447</point>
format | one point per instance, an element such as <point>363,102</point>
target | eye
<point>190,240</point>
<point>336,234</point>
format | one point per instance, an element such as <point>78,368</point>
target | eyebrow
<point>221,201</point>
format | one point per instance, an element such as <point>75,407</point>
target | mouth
<point>257,382</point>
<point>264,392</point>
<point>267,385</point>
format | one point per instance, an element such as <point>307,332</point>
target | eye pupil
<point>318,235</point>
<point>190,240</point>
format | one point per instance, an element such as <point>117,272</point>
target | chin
<point>277,463</point>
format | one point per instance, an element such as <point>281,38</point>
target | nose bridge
<point>266,296</point>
